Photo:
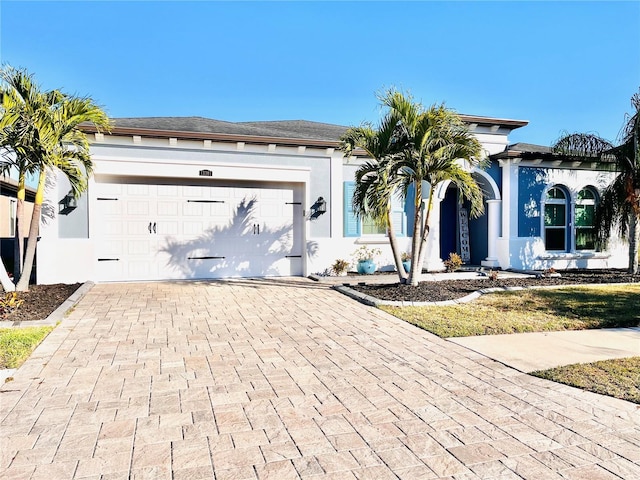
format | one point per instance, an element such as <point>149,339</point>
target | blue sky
<point>561,65</point>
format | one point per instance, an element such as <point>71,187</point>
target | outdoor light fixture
<point>319,207</point>
<point>68,204</point>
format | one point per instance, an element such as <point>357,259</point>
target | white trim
<point>127,167</point>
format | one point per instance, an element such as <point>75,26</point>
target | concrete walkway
<point>539,351</point>
<point>288,379</point>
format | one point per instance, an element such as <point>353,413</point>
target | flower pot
<point>366,267</point>
<point>407,265</point>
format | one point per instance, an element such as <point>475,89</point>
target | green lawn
<point>16,344</point>
<point>535,310</point>
<point>618,378</point>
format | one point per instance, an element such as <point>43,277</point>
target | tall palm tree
<point>375,187</point>
<point>619,205</point>
<point>53,140</point>
<point>438,147</point>
<point>21,100</point>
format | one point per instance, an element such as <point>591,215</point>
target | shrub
<point>453,263</point>
<point>340,266</point>
<point>10,303</point>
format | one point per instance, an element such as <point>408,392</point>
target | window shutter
<point>398,217</point>
<point>351,221</point>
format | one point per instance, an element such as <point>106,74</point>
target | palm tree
<point>437,147</point>
<point>619,204</point>
<point>48,137</point>
<point>21,100</point>
<point>375,187</point>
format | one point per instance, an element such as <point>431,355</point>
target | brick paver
<point>288,379</point>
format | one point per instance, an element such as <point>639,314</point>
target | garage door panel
<point>139,190</point>
<point>138,208</point>
<point>167,209</point>
<point>191,228</point>
<point>110,207</point>
<point>138,247</point>
<point>194,209</point>
<point>194,191</point>
<point>220,193</point>
<point>167,227</point>
<point>139,227</point>
<point>167,190</point>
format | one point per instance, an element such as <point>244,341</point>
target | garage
<point>151,229</point>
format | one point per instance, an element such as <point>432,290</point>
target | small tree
<point>40,131</point>
<point>437,147</point>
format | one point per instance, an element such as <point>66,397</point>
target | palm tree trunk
<point>424,233</point>
<point>18,243</point>
<point>634,238</point>
<point>34,228</point>
<point>5,281</point>
<point>416,266</point>
<point>393,241</point>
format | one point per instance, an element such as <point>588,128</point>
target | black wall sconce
<point>67,204</point>
<point>319,207</point>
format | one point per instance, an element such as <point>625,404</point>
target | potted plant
<point>364,257</point>
<point>406,261</point>
<point>340,267</point>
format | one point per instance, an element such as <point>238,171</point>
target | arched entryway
<point>473,239</point>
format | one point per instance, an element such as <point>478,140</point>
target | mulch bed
<point>40,301</point>
<point>436,291</point>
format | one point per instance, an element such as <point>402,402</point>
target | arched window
<point>555,220</point>
<point>585,215</point>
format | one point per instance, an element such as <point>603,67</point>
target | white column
<point>493,232</point>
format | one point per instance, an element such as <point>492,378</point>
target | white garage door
<point>156,232</point>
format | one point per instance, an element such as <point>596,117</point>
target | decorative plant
<point>406,256</point>
<point>9,303</point>
<point>453,263</point>
<point>340,266</point>
<point>493,275</point>
<point>364,253</point>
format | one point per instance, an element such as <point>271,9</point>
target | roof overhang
<point>218,137</point>
<point>491,121</point>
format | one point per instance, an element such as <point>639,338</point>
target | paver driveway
<point>287,379</point>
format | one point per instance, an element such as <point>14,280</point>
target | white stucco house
<point>195,198</point>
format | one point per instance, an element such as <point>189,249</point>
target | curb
<point>58,314</point>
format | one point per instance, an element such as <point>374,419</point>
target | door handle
<point>154,227</point>
<point>149,227</point>
<point>258,229</point>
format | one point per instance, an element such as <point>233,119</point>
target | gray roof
<point>529,148</point>
<point>301,129</point>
